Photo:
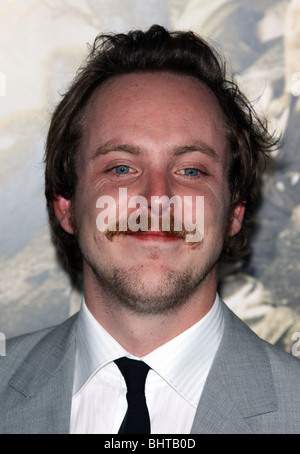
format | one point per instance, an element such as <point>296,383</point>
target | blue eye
<point>121,170</point>
<point>190,172</point>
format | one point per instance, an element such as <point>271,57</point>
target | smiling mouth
<point>156,236</point>
<point>160,236</point>
<point>147,235</point>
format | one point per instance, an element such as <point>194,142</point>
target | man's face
<point>155,134</point>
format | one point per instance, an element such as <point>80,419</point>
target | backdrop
<point>43,42</point>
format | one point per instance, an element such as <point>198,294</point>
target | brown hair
<point>154,50</point>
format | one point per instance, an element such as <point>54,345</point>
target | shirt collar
<point>183,362</point>
<point>95,348</point>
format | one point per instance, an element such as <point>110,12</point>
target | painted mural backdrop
<point>42,43</point>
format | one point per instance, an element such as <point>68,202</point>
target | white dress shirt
<point>174,384</point>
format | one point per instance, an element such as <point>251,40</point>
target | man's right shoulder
<point>20,347</point>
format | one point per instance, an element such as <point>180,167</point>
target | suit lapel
<point>239,385</point>
<point>217,412</point>
<point>42,386</point>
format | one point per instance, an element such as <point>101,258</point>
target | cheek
<point>88,190</point>
<point>84,212</point>
<point>217,209</point>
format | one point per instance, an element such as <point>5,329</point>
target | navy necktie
<point>136,420</point>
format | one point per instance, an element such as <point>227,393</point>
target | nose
<point>157,192</point>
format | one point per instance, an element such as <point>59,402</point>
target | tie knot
<point>134,373</point>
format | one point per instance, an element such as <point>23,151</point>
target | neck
<point>141,334</point>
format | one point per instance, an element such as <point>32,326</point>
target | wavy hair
<point>156,49</point>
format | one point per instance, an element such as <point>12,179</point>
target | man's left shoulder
<point>267,359</point>
<point>262,380</point>
<point>285,367</point>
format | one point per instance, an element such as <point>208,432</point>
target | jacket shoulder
<point>24,346</point>
<point>251,344</point>
<point>264,380</point>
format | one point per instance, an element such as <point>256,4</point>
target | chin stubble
<point>126,289</point>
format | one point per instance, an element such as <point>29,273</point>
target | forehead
<point>162,107</point>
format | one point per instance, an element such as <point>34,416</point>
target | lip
<point>154,236</point>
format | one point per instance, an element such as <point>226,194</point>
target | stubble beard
<point>127,288</point>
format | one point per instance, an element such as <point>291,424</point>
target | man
<point>151,119</point>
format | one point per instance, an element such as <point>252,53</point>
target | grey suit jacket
<point>252,387</point>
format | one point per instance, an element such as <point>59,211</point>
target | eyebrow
<point>197,147</point>
<point>109,147</point>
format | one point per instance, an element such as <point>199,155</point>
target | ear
<point>237,219</point>
<point>62,208</point>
